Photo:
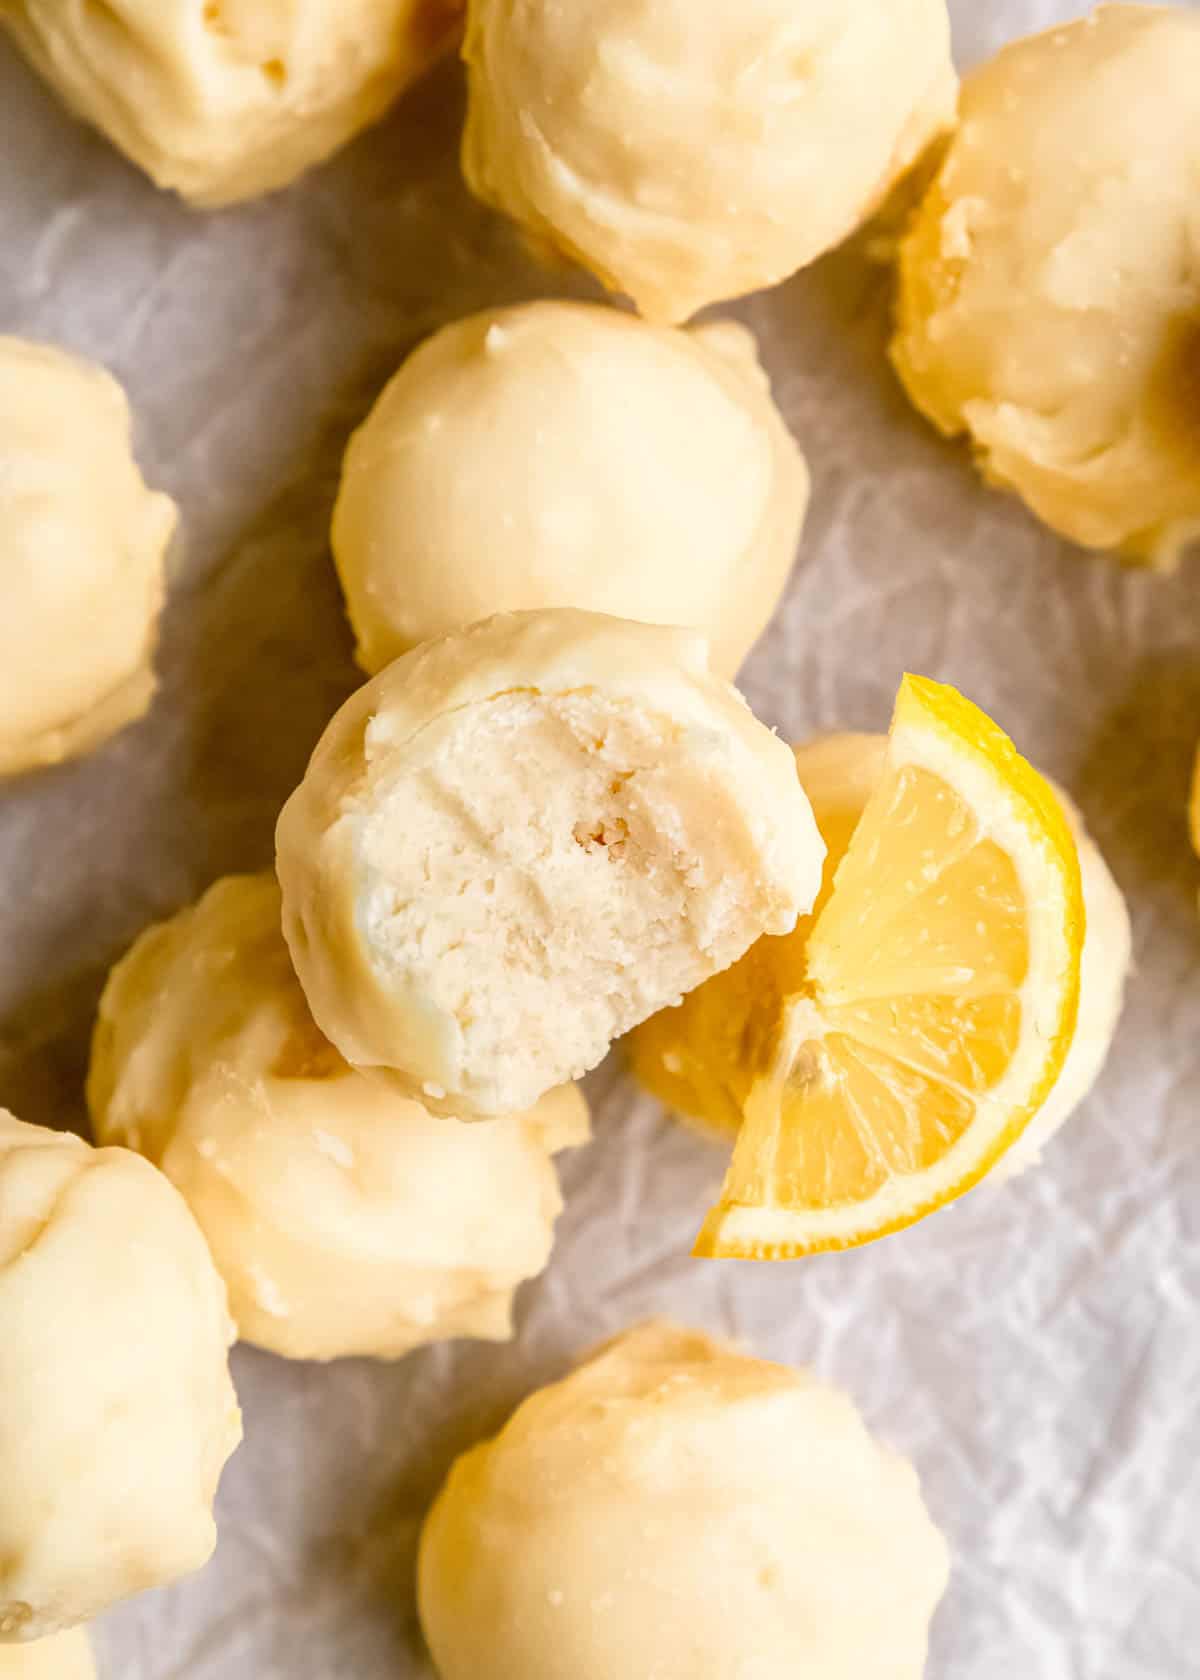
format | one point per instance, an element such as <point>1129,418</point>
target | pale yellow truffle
<point>675,1508</point>
<point>1050,284</point>
<point>64,1656</point>
<point>567,455</point>
<point>517,842</point>
<point>694,1058</point>
<point>689,151</point>
<point>225,99</point>
<point>343,1217</point>
<point>82,559</point>
<point>117,1412</point>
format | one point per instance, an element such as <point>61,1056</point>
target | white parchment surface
<point>1035,1349</point>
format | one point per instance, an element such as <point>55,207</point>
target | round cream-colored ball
<point>689,151</point>
<point>225,99</point>
<point>675,1508</point>
<point>568,455</point>
<point>1050,282</point>
<point>64,1656</point>
<point>518,841</point>
<point>117,1412</point>
<point>82,559</point>
<point>344,1218</point>
<point>693,1057</point>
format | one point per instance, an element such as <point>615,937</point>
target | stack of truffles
<point>327,1100</point>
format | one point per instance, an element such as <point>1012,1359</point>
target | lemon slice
<point>930,1007</point>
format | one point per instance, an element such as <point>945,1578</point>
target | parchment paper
<point>1036,1349</point>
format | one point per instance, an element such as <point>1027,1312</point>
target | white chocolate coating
<point>64,1656</point>
<point>1050,283</point>
<point>225,99</point>
<point>689,151</point>
<point>82,559</point>
<point>568,455</point>
<point>675,1508</point>
<point>517,842</point>
<point>344,1218</point>
<point>117,1412</point>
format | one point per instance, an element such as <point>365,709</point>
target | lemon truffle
<point>64,1656</point>
<point>518,841</point>
<point>117,1412</point>
<point>222,100</point>
<point>694,1057</point>
<point>82,559</point>
<point>689,151</point>
<point>675,1508</point>
<point>1049,294</point>
<point>344,1218</point>
<point>567,455</point>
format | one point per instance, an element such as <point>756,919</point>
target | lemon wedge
<point>900,1041</point>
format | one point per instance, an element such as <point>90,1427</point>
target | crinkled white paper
<point>1036,1349</point>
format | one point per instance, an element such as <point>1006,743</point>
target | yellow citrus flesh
<point>701,1058</point>
<point>886,1055</point>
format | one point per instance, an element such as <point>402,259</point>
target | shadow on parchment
<point>373,1550</point>
<point>51,1035</point>
<point>264,662</point>
<point>1134,782</point>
